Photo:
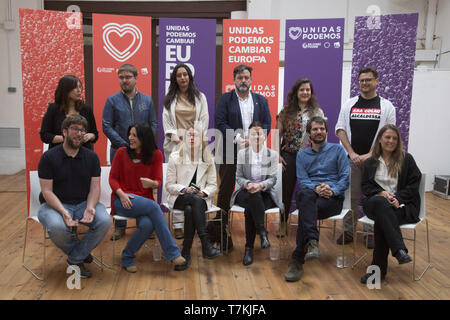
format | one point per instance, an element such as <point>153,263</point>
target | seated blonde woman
<point>191,183</point>
<point>256,175</point>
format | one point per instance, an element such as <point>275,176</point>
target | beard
<point>243,88</point>
<point>317,139</point>
<point>74,144</point>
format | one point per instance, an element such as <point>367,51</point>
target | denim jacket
<point>117,116</point>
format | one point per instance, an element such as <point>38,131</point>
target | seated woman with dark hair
<point>137,170</point>
<point>256,175</point>
<point>390,183</point>
<point>192,183</point>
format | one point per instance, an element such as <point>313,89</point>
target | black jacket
<point>53,118</point>
<point>407,185</point>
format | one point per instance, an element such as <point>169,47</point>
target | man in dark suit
<point>234,113</point>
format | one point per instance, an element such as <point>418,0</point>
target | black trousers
<point>255,204</point>
<point>227,174</point>
<point>386,229</point>
<point>310,208</point>
<point>194,216</point>
<point>289,181</point>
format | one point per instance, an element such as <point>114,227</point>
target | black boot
<point>264,240</point>
<point>186,254</point>
<point>208,250</point>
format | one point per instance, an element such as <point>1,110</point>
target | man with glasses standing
<point>122,109</point>
<point>360,119</point>
<point>69,175</point>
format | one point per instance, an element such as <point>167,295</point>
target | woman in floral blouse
<point>301,106</point>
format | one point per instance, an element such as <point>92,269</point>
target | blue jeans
<point>62,235</point>
<point>149,217</point>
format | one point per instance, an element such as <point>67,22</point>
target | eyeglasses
<point>121,78</point>
<point>365,80</point>
<point>78,130</point>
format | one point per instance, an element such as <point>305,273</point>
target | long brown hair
<point>66,84</point>
<point>192,91</point>
<point>291,106</point>
<point>397,156</point>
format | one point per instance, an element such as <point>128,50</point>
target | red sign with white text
<point>255,43</point>
<point>51,44</point>
<point>118,39</point>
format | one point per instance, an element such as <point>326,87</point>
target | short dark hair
<point>256,124</point>
<point>319,120</point>
<point>74,119</point>
<point>367,70</point>
<point>240,68</point>
<point>129,68</point>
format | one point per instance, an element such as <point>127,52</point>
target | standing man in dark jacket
<point>122,109</point>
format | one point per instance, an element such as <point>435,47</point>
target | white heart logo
<point>121,30</point>
<point>295,32</point>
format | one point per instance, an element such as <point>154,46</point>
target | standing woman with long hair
<point>301,106</point>
<point>136,171</point>
<point>68,101</point>
<point>390,182</point>
<point>184,105</point>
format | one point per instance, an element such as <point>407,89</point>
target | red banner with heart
<point>117,40</point>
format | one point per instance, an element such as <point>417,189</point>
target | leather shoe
<point>295,271</point>
<point>366,277</point>
<point>402,257</point>
<point>264,240</point>
<point>248,257</point>
<point>347,237</point>
<point>130,269</point>
<point>184,265</point>
<point>179,260</point>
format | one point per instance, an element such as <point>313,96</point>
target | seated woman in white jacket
<point>256,175</point>
<point>184,105</point>
<point>191,183</point>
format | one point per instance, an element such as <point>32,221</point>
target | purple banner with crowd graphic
<point>191,42</point>
<point>388,43</point>
<point>314,50</point>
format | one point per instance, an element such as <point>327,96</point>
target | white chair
<point>278,188</point>
<point>340,217</point>
<point>172,211</point>
<point>410,226</point>
<point>35,189</point>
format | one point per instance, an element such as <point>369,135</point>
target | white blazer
<point>170,122</point>
<point>180,173</point>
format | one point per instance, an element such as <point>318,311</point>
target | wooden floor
<point>224,278</point>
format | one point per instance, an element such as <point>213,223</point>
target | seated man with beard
<point>69,175</point>
<point>323,174</point>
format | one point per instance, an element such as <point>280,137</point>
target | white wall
<point>11,104</point>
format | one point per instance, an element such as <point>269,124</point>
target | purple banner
<point>388,43</point>
<point>314,50</point>
<point>192,42</point>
